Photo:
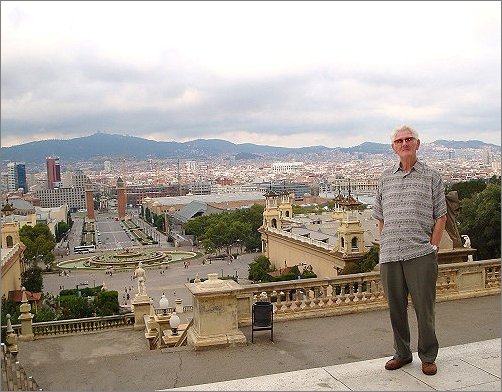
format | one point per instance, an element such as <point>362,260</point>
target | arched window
<point>10,241</point>
<point>343,242</point>
<point>354,242</point>
<point>287,214</point>
<point>274,223</point>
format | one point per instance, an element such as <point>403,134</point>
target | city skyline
<point>291,74</point>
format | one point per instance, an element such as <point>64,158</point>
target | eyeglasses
<point>406,139</point>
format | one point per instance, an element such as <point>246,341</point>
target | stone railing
<point>186,309</point>
<point>222,307</point>
<point>14,377</point>
<point>75,326</point>
<point>319,297</point>
<point>84,325</point>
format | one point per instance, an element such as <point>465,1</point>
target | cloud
<point>330,73</point>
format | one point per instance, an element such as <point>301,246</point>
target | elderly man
<point>410,207</point>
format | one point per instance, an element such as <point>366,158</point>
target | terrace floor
<point>345,352</point>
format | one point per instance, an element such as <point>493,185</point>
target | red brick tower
<point>89,199</point>
<point>121,198</point>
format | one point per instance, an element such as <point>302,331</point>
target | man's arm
<point>437,232</point>
<point>380,226</point>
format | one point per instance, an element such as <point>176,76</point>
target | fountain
<point>127,259</point>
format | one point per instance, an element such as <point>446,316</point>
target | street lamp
<point>164,304</point>
<point>174,323</point>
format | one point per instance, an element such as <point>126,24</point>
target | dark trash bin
<point>262,318</point>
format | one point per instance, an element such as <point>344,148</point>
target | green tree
<point>364,264</point>
<point>223,230</point>
<point>466,189</point>
<point>61,230</point>
<point>480,219</point>
<point>259,268</point>
<point>45,314</point>
<point>32,279</point>
<point>106,303</point>
<point>39,243</point>
<point>75,307</point>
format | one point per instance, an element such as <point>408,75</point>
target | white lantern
<point>174,322</point>
<point>164,304</point>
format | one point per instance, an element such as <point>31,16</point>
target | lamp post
<point>164,304</point>
<point>174,323</point>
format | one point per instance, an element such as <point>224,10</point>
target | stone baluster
<point>278,304</point>
<point>350,297</point>
<point>317,295</point>
<point>307,300</point>
<point>325,298</point>
<point>289,303</point>
<point>298,301</point>
<point>340,295</point>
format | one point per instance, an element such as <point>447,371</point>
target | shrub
<point>106,303</point>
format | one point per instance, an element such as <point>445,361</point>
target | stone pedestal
<point>214,314</point>
<point>142,306</point>
<point>179,306</point>
<point>163,322</point>
<point>26,319</point>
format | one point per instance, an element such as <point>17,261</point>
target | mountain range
<point>108,146</point>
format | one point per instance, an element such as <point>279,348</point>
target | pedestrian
<point>410,207</point>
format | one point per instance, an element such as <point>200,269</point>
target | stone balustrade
<point>75,326</point>
<point>14,377</point>
<point>220,308</point>
<point>186,309</point>
<point>319,297</point>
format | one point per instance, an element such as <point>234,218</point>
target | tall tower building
<point>53,172</point>
<point>89,199</point>
<point>121,198</point>
<point>16,176</point>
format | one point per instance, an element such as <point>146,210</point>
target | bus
<point>84,249</point>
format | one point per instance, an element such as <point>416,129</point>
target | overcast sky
<point>278,73</point>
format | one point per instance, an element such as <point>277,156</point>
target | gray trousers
<point>418,278</point>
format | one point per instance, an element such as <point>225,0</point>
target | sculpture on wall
<point>452,211</point>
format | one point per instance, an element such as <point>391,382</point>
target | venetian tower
<point>272,214</point>
<point>285,208</point>
<point>121,198</point>
<point>10,229</point>
<point>12,252</point>
<point>89,199</point>
<point>350,232</point>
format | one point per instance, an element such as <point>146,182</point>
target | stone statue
<point>452,210</point>
<point>467,244</point>
<point>139,273</point>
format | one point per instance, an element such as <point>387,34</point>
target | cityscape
<point>189,193</point>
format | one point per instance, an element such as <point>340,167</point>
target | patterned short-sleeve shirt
<point>408,203</point>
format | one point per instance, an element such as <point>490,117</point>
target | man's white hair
<point>403,128</point>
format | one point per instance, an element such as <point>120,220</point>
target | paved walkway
<point>339,352</point>
<point>466,367</point>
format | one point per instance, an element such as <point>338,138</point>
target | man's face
<point>405,144</point>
